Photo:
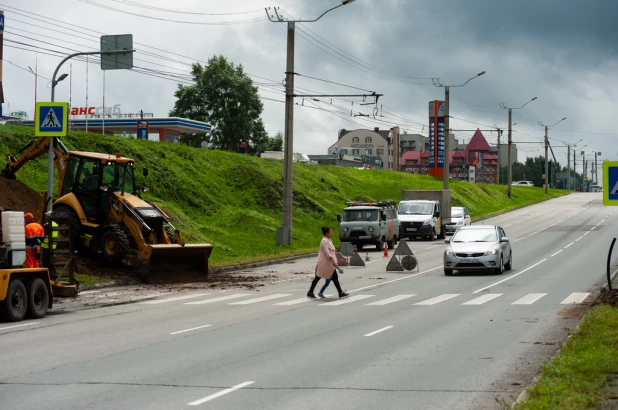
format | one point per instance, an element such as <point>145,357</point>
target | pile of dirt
<point>608,298</point>
<point>17,196</point>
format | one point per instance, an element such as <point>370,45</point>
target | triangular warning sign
<point>394,265</point>
<point>50,120</point>
<point>614,190</point>
<point>403,249</point>
<point>357,260</point>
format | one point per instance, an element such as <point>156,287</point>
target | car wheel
<point>448,272</point>
<point>500,269</point>
<point>509,265</point>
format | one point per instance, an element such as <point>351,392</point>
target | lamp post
<point>284,234</point>
<point>50,152</point>
<point>569,161</point>
<point>510,136</point>
<point>447,102</point>
<point>546,159</point>
<point>36,79</point>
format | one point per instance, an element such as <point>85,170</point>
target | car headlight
<point>345,229</point>
<point>371,229</point>
<point>460,222</point>
<point>449,252</point>
<point>492,251</point>
<point>427,222</point>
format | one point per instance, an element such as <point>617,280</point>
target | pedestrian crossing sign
<point>51,119</point>
<point>610,183</point>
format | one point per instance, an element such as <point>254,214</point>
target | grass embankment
<point>577,377</point>
<point>234,201</point>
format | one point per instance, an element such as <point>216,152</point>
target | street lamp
<point>510,177</point>
<point>284,233</point>
<point>546,160</point>
<point>437,83</point>
<point>569,159</point>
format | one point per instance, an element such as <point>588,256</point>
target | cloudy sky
<point>562,51</point>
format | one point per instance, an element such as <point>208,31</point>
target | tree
<point>276,143</point>
<point>223,96</point>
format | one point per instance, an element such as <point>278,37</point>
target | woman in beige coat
<point>326,267</point>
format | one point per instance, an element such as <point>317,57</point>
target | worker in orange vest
<point>34,237</point>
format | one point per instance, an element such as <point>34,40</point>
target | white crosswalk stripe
<point>529,299</point>
<point>219,299</point>
<point>262,299</point>
<point>390,300</point>
<point>482,299</point>
<point>575,298</point>
<point>349,299</point>
<point>174,299</point>
<point>437,299</point>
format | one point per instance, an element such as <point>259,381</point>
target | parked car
<point>369,223</point>
<point>478,247</point>
<point>523,183</point>
<point>459,217</point>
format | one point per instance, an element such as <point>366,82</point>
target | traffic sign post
<point>52,119</point>
<point>610,183</point>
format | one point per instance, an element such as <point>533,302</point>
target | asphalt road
<point>402,340</point>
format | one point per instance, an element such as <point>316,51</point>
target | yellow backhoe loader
<point>108,215</point>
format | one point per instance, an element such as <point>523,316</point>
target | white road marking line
<point>586,233</point>
<point>578,238</point>
<point>569,245</point>
<point>510,277</point>
<point>188,330</point>
<point>437,299</point>
<point>174,299</point>
<point>219,299</point>
<point>390,300</point>
<point>482,299</point>
<point>378,331</point>
<point>395,280</point>
<point>22,325</point>
<point>262,299</point>
<point>293,301</point>
<point>603,221</point>
<point>551,256</point>
<point>347,300</point>
<point>154,295</point>
<point>575,298</point>
<point>221,393</point>
<point>529,299</point>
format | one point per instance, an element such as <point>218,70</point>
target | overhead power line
<point>145,6</point>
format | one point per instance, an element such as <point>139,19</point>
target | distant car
<point>478,248</point>
<point>459,217</point>
<point>523,183</point>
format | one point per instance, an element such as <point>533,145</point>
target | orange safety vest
<point>35,234</point>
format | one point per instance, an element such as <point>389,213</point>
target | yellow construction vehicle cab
<point>108,216</point>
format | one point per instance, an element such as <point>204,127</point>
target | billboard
<point>142,130</point>
<point>437,115</point>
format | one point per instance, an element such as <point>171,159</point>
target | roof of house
<point>382,133</point>
<point>478,143</point>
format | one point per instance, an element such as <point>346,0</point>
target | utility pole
<point>284,234</point>
<point>568,167</point>
<point>546,163</point>
<point>596,169</point>
<point>498,174</point>
<point>502,105</point>
<point>574,167</point>
<point>447,98</point>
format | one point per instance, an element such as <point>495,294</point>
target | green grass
<point>234,201</point>
<point>577,377</point>
<point>90,280</point>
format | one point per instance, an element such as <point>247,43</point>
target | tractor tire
<point>114,244</point>
<point>38,299</point>
<point>16,302</point>
<point>74,222</point>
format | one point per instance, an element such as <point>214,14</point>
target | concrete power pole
<point>498,174</point>
<point>510,137</point>
<point>286,235</point>
<point>447,101</point>
<point>568,167</point>
<point>596,169</point>
<point>546,162</point>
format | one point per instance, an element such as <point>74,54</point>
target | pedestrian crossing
<point>240,299</point>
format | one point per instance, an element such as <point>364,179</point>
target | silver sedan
<point>477,248</point>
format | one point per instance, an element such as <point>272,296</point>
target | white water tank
<point>14,234</point>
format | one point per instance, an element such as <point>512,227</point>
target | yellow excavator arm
<point>35,149</point>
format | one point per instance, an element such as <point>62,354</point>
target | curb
<point>98,286</point>
<point>604,287</point>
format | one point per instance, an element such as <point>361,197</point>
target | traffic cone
<point>385,250</point>
<point>366,257</point>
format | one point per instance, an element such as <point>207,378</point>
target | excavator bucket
<point>63,290</point>
<point>176,263</point>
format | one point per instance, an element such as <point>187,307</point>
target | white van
<point>419,219</point>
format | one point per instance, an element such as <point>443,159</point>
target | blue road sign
<point>610,183</point>
<point>52,119</point>
<point>1,22</point>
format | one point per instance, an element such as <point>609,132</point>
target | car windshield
<point>475,235</point>
<point>415,208</point>
<point>360,215</point>
<point>457,213</point>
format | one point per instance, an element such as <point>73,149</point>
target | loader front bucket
<point>176,263</point>
<point>63,290</point>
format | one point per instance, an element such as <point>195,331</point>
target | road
<point>402,340</point>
